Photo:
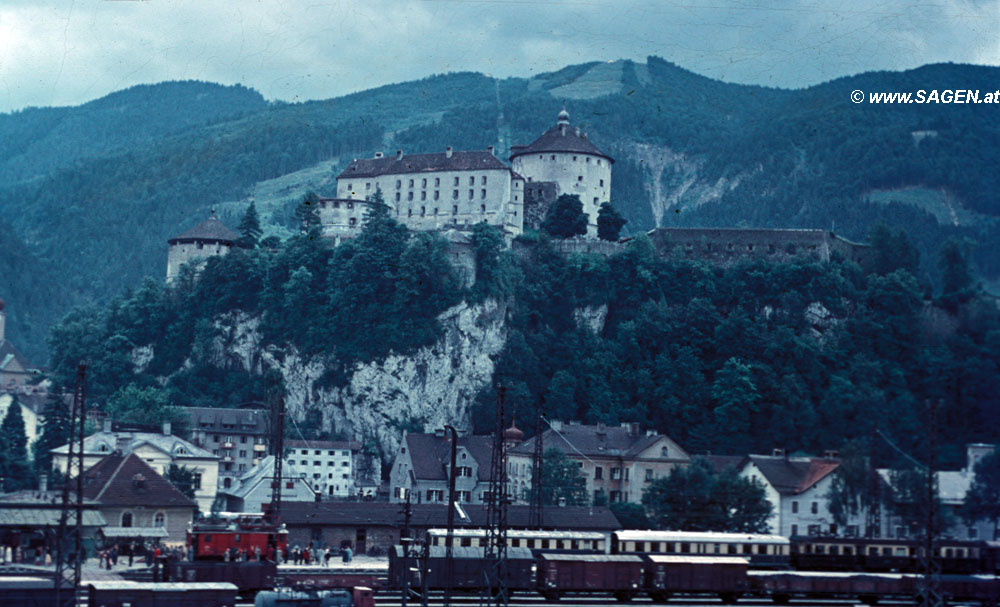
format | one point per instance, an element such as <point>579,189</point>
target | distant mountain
<point>91,193</point>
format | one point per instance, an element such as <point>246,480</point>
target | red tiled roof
<point>793,475</point>
<point>115,480</point>
<point>474,160</point>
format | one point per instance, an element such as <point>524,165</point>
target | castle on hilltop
<point>455,189</point>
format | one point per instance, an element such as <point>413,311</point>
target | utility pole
<point>873,509</point>
<point>449,555</point>
<point>929,592</point>
<point>535,516</point>
<point>405,541</point>
<point>495,551</point>
<point>69,547</point>
<point>278,451</point>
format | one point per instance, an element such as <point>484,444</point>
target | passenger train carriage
<point>580,542</point>
<point>888,554</point>
<point>763,551</point>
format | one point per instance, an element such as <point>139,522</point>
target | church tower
<point>564,161</point>
<point>209,238</point>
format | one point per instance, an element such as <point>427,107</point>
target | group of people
<point>108,557</point>
<point>311,556</point>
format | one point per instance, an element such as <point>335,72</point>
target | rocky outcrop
<point>426,389</point>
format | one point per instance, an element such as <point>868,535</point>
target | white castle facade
<point>442,191</point>
<point>453,189</point>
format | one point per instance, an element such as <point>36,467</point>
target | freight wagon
<point>28,591</point>
<point>136,594</point>
<point>338,576</point>
<point>617,574</point>
<point>467,571</point>
<point>249,577</point>
<point>725,577</point>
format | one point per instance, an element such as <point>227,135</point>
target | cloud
<point>57,54</point>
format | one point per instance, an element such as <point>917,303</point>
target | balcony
<point>260,447</point>
<point>227,458</point>
<point>228,445</point>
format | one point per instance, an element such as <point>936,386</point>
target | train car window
<point>515,543</point>
<point>466,541</point>
<point>900,551</point>
<point>575,544</point>
<point>848,550</point>
<point>974,553</point>
<point>807,548</point>
<point>640,547</point>
<point>685,547</point>
<point>886,551</point>
<point>835,550</point>
<point>717,549</point>
<point>531,543</point>
<point>820,549</point>
<point>948,552</point>
<point>561,545</point>
<point>236,538</point>
<point>546,543</point>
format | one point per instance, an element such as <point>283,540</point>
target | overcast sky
<point>68,52</point>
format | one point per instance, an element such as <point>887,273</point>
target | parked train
<point>763,551</point>
<point>659,576</point>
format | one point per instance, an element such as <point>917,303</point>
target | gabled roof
<point>792,475</point>
<point>177,447</point>
<point>430,454</point>
<point>577,518</point>
<point>599,441</point>
<point>126,480</point>
<point>722,463</point>
<point>9,355</point>
<point>209,230</point>
<point>262,473</point>
<point>213,418</point>
<point>474,160</point>
<point>560,138</point>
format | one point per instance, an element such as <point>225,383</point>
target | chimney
<point>166,428</point>
<point>447,152</point>
<point>562,502</point>
<point>556,425</point>
<point>399,154</point>
<point>43,483</point>
<point>123,444</point>
<point>577,131</point>
<point>378,154</point>
<point>778,452</point>
<point>491,151</point>
<point>107,426</point>
<point>831,454</point>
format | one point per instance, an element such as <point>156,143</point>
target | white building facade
<point>428,192</point>
<point>328,466</point>
<point>563,155</point>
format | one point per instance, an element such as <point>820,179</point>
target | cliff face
<point>427,389</point>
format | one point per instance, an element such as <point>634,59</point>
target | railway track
<point>393,599</point>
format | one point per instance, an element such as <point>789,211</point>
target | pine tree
<point>250,227</point>
<point>609,222</point>
<point>14,465</point>
<point>566,218</point>
<point>55,430</point>
<point>308,214</point>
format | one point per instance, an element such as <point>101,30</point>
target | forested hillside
<point>804,355</point>
<point>91,193</point>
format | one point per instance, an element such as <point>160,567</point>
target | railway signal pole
<point>495,552</point>
<point>278,450</point>
<point>69,541</point>
<point>535,507</point>
<point>449,553</point>
<point>929,592</point>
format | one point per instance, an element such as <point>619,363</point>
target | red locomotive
<point>246,536</point>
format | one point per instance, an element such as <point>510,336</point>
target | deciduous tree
<point>566,218</point>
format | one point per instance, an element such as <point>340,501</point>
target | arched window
<point>227,482</point>
<point>664,452</point>
<point>160,519</point>
<point>126,519</point>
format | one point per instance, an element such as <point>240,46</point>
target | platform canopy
<point>130,532</point>
<point>43,517</point>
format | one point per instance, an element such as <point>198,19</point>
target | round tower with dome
<point>563,156</point>
<point>207,239</point>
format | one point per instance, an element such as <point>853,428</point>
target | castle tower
<point>207,239</point>
<point>564,161</point>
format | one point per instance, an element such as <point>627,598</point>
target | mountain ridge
<point>93,211</point>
